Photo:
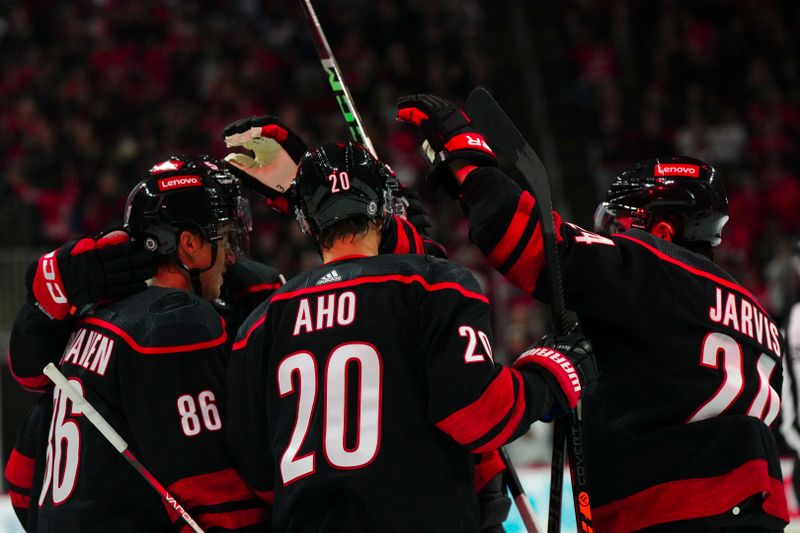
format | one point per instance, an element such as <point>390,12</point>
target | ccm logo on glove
<point>178,181</point>
<point>49,269</point>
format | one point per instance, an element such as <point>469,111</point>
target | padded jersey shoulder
<point>424,269</point>
<point>670,252</point>
<point>160,317</point>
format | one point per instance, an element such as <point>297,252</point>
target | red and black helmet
<point>194,193</point>
<point>680,189</point>
<point>339,181</point>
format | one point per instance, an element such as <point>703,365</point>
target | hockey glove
<point>415,214</point>
<point>276,152</point>
<point>567,364</point>
<point>88,271</point>
<point>415,211</point>
<point>450,134</point>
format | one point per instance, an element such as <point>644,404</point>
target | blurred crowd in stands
<point>94,91</point>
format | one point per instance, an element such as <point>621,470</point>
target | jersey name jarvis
<point>687,358</point>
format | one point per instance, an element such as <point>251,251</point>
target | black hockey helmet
<point>339,181</point>
<point>194,193</point>
<point>681,188</point>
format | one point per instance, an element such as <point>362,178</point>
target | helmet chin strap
<point>194,273</point>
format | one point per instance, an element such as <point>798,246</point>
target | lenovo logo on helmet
<point>678,169</point>
<point>176,182</point>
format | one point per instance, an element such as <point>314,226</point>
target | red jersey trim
<point>513,422</point>
<point>693,498</point>
<point>241,343</point>
<point>527,268</point>
<point>414,278</point>
<point>420,248</point>
<point>403,245</point>
<point>696,271</point>
<point>267,496</point>
<point>211,489</point>
<point>149,350</point>
<point>514,232</point>
<point>19,501</point>
<point>486,468</point>
<point>233,519</point>
<point>19,470</point>
<point>33,383</point>
<point>475,420</point>
<point>258,288</point>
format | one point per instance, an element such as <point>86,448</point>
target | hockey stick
<point>503,136</point>
<point>115,439</point>
<point>335,79</point>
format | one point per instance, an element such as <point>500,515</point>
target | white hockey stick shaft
<point>114,438</point>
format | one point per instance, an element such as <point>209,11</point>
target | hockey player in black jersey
<point>269,166</point>
<point>359,391</point>
<point>153,364</point>
<point>677,434</point>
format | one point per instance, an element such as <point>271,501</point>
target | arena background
<point>94,92</point>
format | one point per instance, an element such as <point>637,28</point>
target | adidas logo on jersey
<point>329,277</point>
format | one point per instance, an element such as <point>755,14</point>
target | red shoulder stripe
<point>32,383</point>
<point>475,420</point>
<point>696,271</point>
<point>514,232</point>
<point>149,350</point>
<point>19,470</point>
<point>211,489</point>
<point>677,500</point>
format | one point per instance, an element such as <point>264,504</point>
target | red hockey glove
<point>88,271</point>
<point>450,134</point>
<point>567,363</point>
<point>276,152</point>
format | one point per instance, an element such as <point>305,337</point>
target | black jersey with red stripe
<point>246,284</point>
<point>360,392</point>
<point>153,365</point>
<point>690,364</point>
<point>35,341</point>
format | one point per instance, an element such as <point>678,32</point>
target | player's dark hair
<point>356,226</point>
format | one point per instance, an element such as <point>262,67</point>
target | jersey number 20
<point>334,388</point>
